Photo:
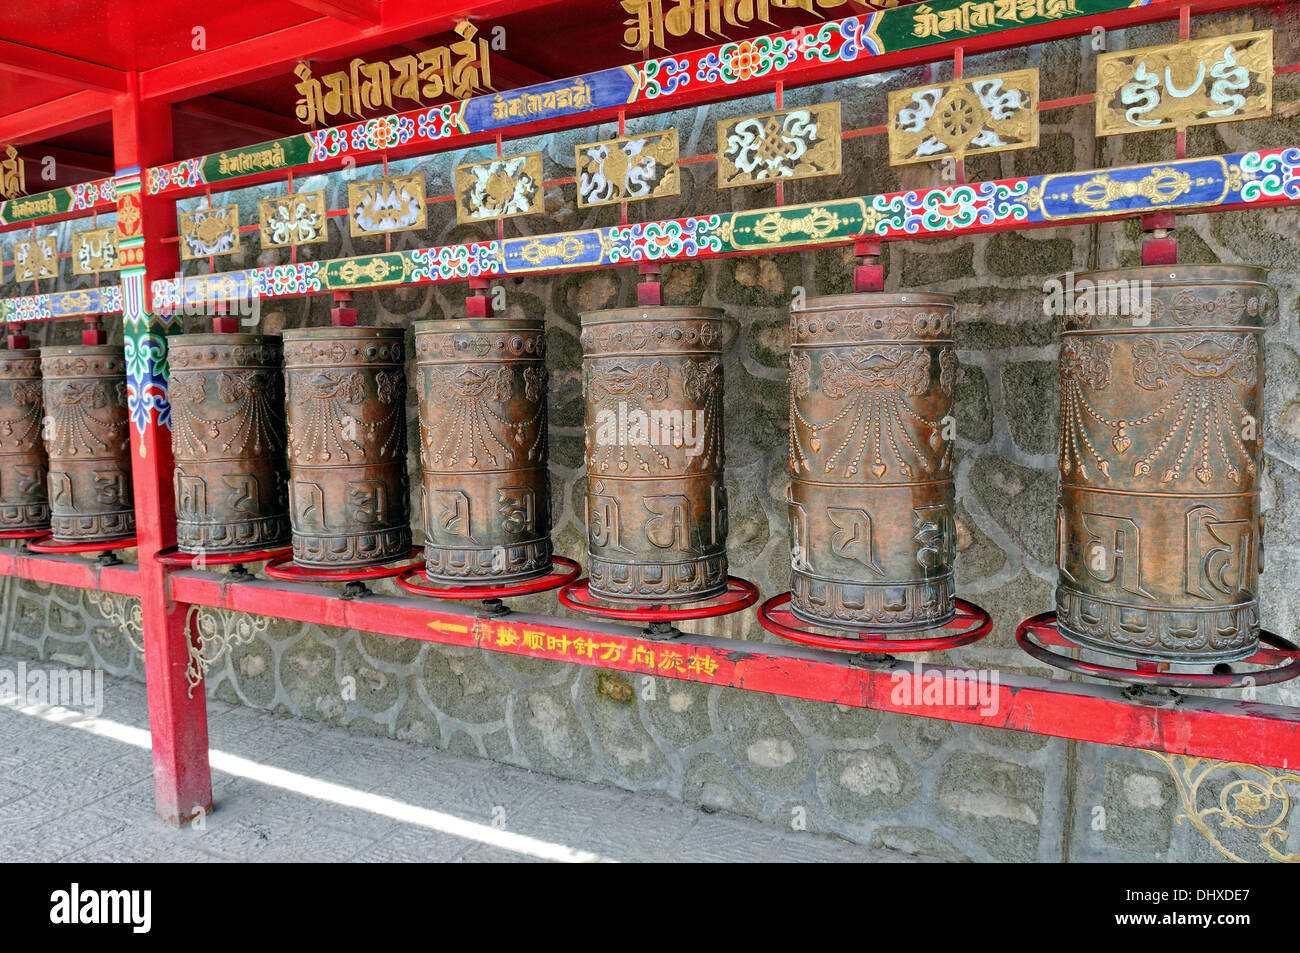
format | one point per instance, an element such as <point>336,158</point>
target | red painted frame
<point>1223,729</point>
<point>1218,728</point>
<point>71,571</point>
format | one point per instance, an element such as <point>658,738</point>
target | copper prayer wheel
<point>24,497</point>
<point>227,397</point>
<point>870,454</point>
<point>1159,535</point>
<point>656,505</point>
<point>348,489</point>
<point>486,493</point>
<point>88,440</point>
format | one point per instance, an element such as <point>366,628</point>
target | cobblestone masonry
<point>912,784</point>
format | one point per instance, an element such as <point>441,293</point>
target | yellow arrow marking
<point>441,626</point>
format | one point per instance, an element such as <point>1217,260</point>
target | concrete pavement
<point>76,785</point>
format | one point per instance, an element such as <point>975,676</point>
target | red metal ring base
<point>45,544</point>
<point>24,533</point>
<point>277,569</point>
<point>969,625</point>
<point>740,594</point>
<point>552,580</point>
<point>173,558</point>
<point>1277,651</point>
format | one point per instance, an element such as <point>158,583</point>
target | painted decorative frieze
<point>94,251</point>
<point>388,205</point>
<point>964,117</point>
<point>781,145</point>
<point>297,219</point>
<point>499,188</point>
<point>627,169</point>
<point>36,258</point>
<point>209,232</point>
<point>1190,83</point>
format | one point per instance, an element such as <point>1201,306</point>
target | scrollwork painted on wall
<point>1242,810</point>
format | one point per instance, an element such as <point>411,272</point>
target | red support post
<point>1159,244</point>
<point>478,304</point>
<point>93,332</point>
<point>341,316</point>
<point>868,275</point>
<point>142,136</point>
<point>650,290</point>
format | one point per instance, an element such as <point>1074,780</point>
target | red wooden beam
<point>1218,728</point>
<point>514,73</point>
<point>57,68</point>
<point>356,12</point>
<point>35,154</point>
<point>70,571</point>
<point>325,39</point>
<point>261,122</point>
<point>56,117</point>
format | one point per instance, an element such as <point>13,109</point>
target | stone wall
<point>913,784</point>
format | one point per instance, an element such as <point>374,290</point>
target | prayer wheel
<point>1159,535</point>
<point>656,506</point>
<point>88,440</point>
<point>486,493</point>
<point>227,397</point>
<point>870,453</point>
<point>24,497</point>
<point>348,490</point>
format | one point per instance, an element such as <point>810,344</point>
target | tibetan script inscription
<point>386,205</point>
<point>964,117</point>
<point>13,177</point>
<point>524,105</point>
<point>459,69</point>
<point>94,251</point>
<point>985,17</point>
<point>292,220</point>
<point>627,169</point>
<point>253,159</point>
<point>657,22</point>
<point>788,144</point>
<point>1191,83</point>
<point>210,231</point>
<point>499,188</point>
